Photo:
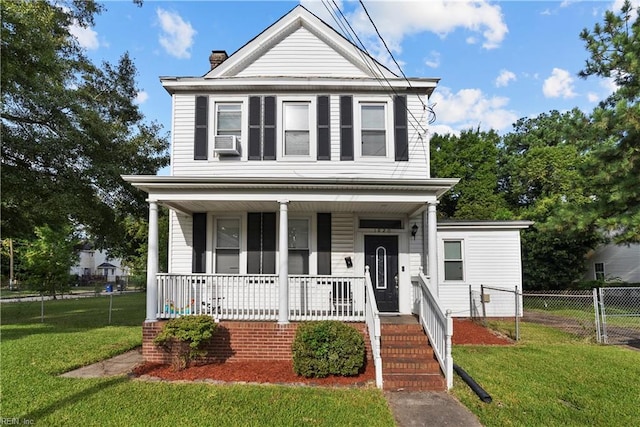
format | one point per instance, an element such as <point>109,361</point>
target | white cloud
<point>559,84</point>
<point>470,108</point>
<point>434,59</point>
<point>399,19</point>
<point>177,35</point>
<point>504,78</point>
<point>141,97</point>
<point>86,36</point>
<point>593,97</point>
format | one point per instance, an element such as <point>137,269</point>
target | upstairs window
<point>453,262</point>
<point>373,129</point>
<point>296,128</point>
<point>229,119</point>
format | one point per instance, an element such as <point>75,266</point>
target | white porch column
<point>152,264</point>
<point>432,244</point>
<point>283,259</point>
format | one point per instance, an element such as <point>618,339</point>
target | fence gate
<point>620,315</point>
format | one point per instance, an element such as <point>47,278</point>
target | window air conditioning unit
<point>226,145</point>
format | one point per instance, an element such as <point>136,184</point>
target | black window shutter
<point>198,264</point>
<point>324,138</point>
<point>324,243</point>
<point>254,242</point>
<point>269,142</point>
<point>346,128</point>
<point>400,125</point>
<point>255,151</point>
<point>200,137</point>
<point>269,243</point>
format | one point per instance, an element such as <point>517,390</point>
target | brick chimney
<point>217,57</point>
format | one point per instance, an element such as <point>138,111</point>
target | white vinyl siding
<point>491,258</point>
<point>363,168</point>
<point>180,243</point>
<point>304,55</point>
<point>621,263</point>
<point>342,243</point>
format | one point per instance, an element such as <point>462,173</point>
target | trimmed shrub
<point>327,348</point>
<point>184,337</point>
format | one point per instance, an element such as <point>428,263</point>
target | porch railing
<point>437,323</point>
<point>256,297</point>
<point>373,325</point>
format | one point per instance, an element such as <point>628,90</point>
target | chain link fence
<point>603,315</point>
<point>620,314</point>
<point>574,311</point>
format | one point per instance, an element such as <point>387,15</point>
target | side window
<point>299,246</point>
<point>227,245</point>
<point>296,128</point>
<point>373,132</point>
<point>453,262</point>
<point>229,119</point>
<point>599,270</point>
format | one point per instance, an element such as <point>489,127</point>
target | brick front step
<point>409,366</point>
<point>408,361</point>
<point>414,382</point>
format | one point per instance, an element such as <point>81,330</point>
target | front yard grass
<point>75,333</point>
<point>551,378</point>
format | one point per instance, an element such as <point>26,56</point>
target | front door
<point>381,255</point>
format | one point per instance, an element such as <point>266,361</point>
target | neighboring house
<point>614,263</point>
<point>95,264</point>
<point>300,189</point>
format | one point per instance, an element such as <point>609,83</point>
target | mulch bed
<point>281,371</point>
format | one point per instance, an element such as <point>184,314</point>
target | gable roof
<point>281,42</point>
<point>300,52</point>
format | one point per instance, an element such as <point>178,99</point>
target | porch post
<point>432,244</point>
<point>152,264</point>
<point>283,279</point>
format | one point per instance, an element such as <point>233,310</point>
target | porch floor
<point>402,319</point>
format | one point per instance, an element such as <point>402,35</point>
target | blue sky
<point>497,61</point>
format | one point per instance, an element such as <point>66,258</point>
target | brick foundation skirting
<point>238,341</point>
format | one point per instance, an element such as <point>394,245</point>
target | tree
<point>614,49</point>
<point>542,168</point>
<point>70,128</point>
<point>49,258</point>
<point>472,157</point>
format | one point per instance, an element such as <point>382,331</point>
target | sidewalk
<point>119,365</point>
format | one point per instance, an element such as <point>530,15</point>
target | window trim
<point>313,124</point>
<point>445,260</point>
<point>213,125</point>
<point>387,102</point>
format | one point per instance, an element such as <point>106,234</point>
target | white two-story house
<point>300,190</point>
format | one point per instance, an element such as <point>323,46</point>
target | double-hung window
<point>227,245</point>
<point>299,246</point>
<point>297,138</point>
<point>453,261</point>
<point>229,118</point>
<point>599,270</point>
<point>373,135</point>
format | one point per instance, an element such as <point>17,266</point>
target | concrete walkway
<point>119,365</point>
<point>410,409</point>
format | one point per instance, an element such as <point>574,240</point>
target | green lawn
<point>551,378</point>
<point>75,333</point>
